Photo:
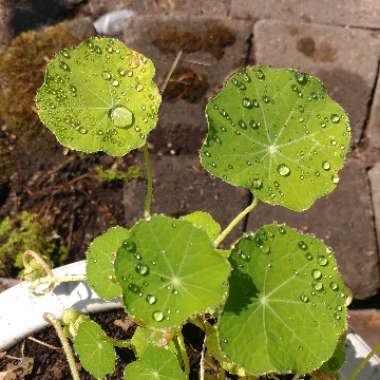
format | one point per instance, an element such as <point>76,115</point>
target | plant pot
<point>22,315</point>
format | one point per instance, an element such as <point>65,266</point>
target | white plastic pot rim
<point>21,315</point>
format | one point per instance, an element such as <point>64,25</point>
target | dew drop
<point>142,269</point>
<point>317,274</point>
<point>257,183</point>
<point>265,249</point>
<point>322,261</point>
<point>121,71</point>
<point>254,124</point>
<point>283,170</point>
<point>260,74</point>
<point>158,316</point>
<point>64,66</point>
<point>318,286</point>
<point>121,117</point>
<point>335,178</point>
<point>302,245</point>
<point>129,245</point>
<point>242,124</point>
<point>304,298</point>
<point>334,286</point>
<point>326,165</point>
<point>335,118</point>
<point>139,87</point>
<point>301,78</point>
<point>151,299</point>
<point>115,83</point>
<point>282,230</point>
<point>106,75</point>
<point>247,103</point>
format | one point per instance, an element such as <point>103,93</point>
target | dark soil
<point>51,364</point>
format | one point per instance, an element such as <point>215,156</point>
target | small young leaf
<point>205,221</point>
<point>286,307</point>
<point>157,363</point>
<point>100,262</point>
<point>96,354</point>
<point>99,96</point>
<point>144,338</point>
<point>169,271</point>
<point>277,133</point>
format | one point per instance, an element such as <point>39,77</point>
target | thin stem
<point>65,344</point>
<point>235,222</point>
<point>59,280</point>
<point>202,361</point>
<point>119,343</point>
<point>364,362</point>
<point>171,71</point>
<point>181,344</point>
<point>149,182</point>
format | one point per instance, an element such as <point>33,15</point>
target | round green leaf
<point>277,133</point>
<point>99,96</point>
<point>286,307</point>
<point>96,354</point>
<point>169,271</point>
<point>205,221</point>
<point>100,269</point>
<point>157,363</point>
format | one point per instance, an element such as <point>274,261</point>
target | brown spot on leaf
<point>323,52</point>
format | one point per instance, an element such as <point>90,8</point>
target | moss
<point>21,71</point>
<point>26,232</point>
<point>113,174</point>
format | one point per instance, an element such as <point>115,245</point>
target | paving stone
<point>212,49</point>
<point>366,323</point>
<point>373,127</point>
<point>148,7</point>
<point>181,186</point>
<point>344,220</point>
<point>362,13</point>
<point>345,59</point>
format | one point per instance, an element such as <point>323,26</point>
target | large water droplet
<point>121,117</point>
<point>334,286</point>
<point>247,103</point>
<point>317,286</point>
<point>283,170</point>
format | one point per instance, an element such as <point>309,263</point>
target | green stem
<point>364,362</point>
<point>149,182</point>
<point>235,222</point>
<point>59,280</point>
<point>181,344</point>
<point>118,342</point>
<point>65,344</point>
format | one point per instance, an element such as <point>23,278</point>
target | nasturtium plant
<point>99,96</point>
<point>96,353</point>
<point>277,270</point>
<point>277,133</point>
<point>169,271</point>
<point>156,363</point>
<point>272,303</point>
<point>101,256</point>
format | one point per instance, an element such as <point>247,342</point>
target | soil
<point>51,364</point>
